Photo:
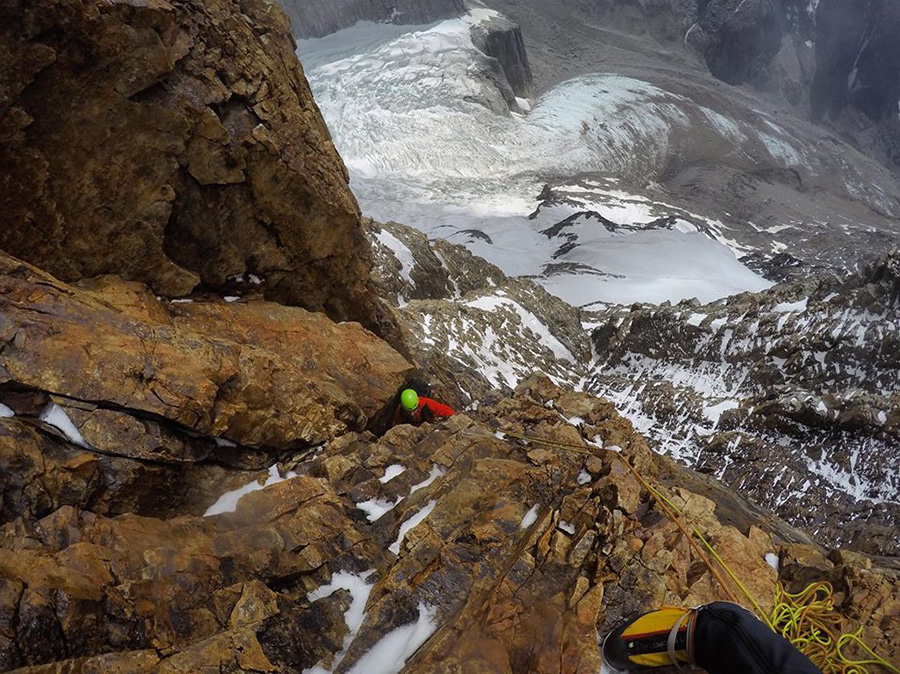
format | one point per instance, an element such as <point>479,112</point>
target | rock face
<point>315,18</point>
<point>472,330</point>
<point>493,555</point>
<point>177,144</point>
<point>789,396</point>
<point>500,38</point>
<point>166,396</point>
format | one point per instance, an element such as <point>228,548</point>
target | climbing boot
<point>662,638</point>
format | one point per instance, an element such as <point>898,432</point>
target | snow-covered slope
<point>430,140</point>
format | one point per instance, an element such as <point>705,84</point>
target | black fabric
<point>731,640</point>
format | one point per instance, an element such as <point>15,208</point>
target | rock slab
<point>177,144</point>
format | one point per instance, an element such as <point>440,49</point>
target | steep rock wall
<point>501,39</point>
<point>315,18</point>
<point>177,144</point>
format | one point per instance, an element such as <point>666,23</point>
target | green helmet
<point>409,399</point>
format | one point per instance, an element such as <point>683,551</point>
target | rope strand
<point>807,619</point>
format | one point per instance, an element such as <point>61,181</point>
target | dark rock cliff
<point>177,144</point>
<point>501,39</point>
<point>315,18</point>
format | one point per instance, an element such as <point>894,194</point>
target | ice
<point>436,472</point>
<point>359,591</point>
<point>389,654</point>
<point>410,524</point>
<point>183,300</point>
<point>376,508</point>
<point>530,518</point>
<point>6,412</point>
<point>584,477</point>
<point>411,113</point>
<point>568,528</point>
<point>224,442</point>
<point>392,472</point>
<point>772,560</point>
<point>231,298</point>
<point>54,415</point>
<point>228,502</point>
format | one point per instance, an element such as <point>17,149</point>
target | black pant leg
<point>731,640</point>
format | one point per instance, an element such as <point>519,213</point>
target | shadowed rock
<point>177,144</point>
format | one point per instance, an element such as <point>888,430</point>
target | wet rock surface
<point>524,552</point>
<point>176,144</point>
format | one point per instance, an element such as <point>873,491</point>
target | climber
<point>415,409</point>
<point>720,637</point>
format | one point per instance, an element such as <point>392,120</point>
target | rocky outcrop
<point>501,39</point>
<point>166,396</point>
<point>315,18</point>
<point>473,331</point>
<point>177,144</point>
<point>788,395</point>
<point>491,553</point>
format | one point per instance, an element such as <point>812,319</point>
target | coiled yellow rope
<point>806,619</point>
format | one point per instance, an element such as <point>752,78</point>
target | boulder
<point>178,144</point>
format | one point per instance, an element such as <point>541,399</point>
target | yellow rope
<point>806,619</point>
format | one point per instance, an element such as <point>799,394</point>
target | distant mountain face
<point>315,18</point>
<point>788,395</point>
<point>833,61</point>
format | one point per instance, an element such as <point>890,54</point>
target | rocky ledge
<point>469,548</point>
<point>119,402</point>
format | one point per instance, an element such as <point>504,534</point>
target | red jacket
<point>428,409</point>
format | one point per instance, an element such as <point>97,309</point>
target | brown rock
<point>231,591</point>
<point>257,374</point>
<point>175,143</point>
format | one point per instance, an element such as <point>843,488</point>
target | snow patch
<point>584,477</point>
<point>530,518</point>
<point>772,560</point>
<point>353,617</point>
<point>410,524</point>
<point>6,412</point>
<point>392,472</point>
<point>389,655</point>
<point>791,307</point>
<point>228,502</point>
<point>376,508</point>
<point>436,472</point>
<point>56,416</point>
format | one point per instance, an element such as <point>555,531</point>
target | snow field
<point>429,142</point>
